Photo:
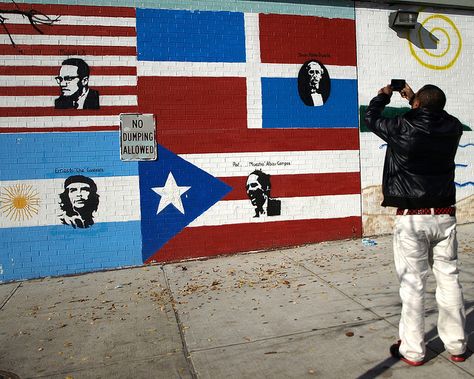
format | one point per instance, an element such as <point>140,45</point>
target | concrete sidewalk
<point>326,310</point>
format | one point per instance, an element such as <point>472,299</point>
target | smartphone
<point>397,84</point>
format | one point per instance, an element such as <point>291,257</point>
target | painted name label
<point>262,164</point>
<point>70,170</point>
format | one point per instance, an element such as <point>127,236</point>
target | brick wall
<point>248,158</point>
<point>382,54</point>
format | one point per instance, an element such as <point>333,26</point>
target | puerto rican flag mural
<point>257,130</point>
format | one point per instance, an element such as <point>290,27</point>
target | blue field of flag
<point>60,250</point>
<point>174,35</point>
<point>159,224</point>
<point>283,107</point>
<point>59,155</point>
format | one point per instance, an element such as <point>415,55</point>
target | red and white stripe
<point>104,37</point>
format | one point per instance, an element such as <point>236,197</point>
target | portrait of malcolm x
<point>78,202</point>
<point>73,81</point>
<point>314,83</point>
<point>258,191</point>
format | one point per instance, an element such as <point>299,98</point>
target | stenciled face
<point>78,194</point>
<point>255,191</point>
<point>70,84</point>
<point>315,72</point>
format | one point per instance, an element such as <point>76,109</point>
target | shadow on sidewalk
<point>434,346</point>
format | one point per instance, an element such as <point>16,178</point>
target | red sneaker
<point>395,352</point>
<point>458,358</point>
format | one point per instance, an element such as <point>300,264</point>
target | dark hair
<point>431,97</point>
<point>82,67</point>
<point>264,180</point>
<point>81,179</point>
<point>92,202</point>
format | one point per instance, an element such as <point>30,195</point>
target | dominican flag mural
<point>256,127</point>
<point>249,64</point>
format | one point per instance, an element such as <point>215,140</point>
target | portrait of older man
<point>73,81</point>
<point>313,83</point>
<point>78,202</point>
<point>258,190</point>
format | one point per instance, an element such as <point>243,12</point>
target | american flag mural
<point>104,37</point>
<point>225,88</point>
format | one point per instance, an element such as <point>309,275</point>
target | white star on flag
<point>170,194</point>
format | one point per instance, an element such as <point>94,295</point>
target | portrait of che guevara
<point>78,202</point>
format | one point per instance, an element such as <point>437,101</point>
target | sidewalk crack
<point>10,296</point>
<point>186,352</point>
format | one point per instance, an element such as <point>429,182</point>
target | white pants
<point>420,242</point>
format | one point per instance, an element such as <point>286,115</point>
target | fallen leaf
<point>78,301</point>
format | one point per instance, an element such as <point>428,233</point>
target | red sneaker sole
<point>457,358</point>
<point>412,363</point>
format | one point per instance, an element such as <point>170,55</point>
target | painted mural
<point>52,80</point>
<point>241,113</point>
<point>433,52</point>
<point>78,202</point>
<point>19,202</point>
<point>226,88</point>
<point>436,42</point>
<point>73,81</point>
<point>258,189</point>
<point>314,84</point>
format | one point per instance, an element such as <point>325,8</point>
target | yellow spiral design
<point>451,39</point>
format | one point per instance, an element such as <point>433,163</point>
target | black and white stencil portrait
<point>314,84</point>
<point>258,190</point>
<point>73,81</point>
<point>78,202</point>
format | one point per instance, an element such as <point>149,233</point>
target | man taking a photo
<point>418,179</point>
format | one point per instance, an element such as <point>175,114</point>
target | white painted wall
<point>382,54</point>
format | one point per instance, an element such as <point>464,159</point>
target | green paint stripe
<point>323,8</point>
<point>390,112</point>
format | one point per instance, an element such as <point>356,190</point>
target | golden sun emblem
<point>19,202</point>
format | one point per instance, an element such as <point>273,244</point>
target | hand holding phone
<point>407,93</point>
<point>397,84</point>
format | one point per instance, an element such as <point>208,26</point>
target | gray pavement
<point>327,310</point>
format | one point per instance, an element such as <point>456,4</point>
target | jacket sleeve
<point>381,126</point>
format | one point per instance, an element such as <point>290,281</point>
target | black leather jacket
<point>419,162</point>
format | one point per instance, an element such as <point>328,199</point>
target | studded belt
<point>427,211</point>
